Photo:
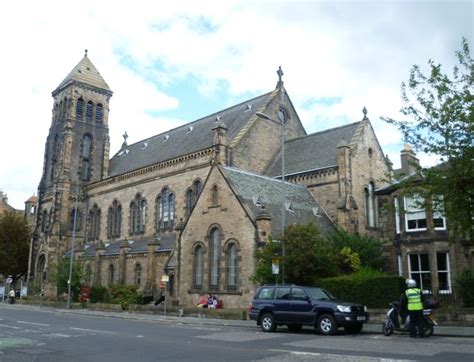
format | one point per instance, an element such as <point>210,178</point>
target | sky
<point>169,63</point>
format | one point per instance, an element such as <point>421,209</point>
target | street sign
<point>275,269</point>
<point>165,278</point>
<point>9,280</point>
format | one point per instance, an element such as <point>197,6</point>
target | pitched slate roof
<point>84,72</point>
<point>188,138</point>
<point>167,243</point>
<point>252,188</point>
<point>314,151</point>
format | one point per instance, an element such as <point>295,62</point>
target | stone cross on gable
<point>125,136</point>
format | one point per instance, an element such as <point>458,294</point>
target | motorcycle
<point>391,322</point>
<point>11,298</point>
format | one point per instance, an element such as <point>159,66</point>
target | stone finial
<point>85,53</point>
<point>364,111</point>
<point>280,75</point>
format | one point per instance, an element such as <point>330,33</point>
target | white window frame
<point>413,211</point>
<point>438,214</point>
<point>397,215</point>
<point>420,272</point>
<point>447,271</point>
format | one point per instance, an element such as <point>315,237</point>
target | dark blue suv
<point>295,306</point>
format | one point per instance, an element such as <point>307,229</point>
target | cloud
<point>355,52</point>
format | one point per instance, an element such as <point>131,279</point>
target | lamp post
<point>71,263</point>
<point>283,191</point>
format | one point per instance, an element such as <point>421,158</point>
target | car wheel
<point>387,329</point>
<point>428,329</point>
<point>354,329</point>
<point>327,325</point>
<point>267,322</point>
<point>294,327</point>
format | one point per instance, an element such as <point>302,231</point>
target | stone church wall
<point>225,215</point>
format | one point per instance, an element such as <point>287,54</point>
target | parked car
<point>295,306</point>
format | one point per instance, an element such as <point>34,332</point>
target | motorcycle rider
<point>11,296</point>
<point>412,301</point>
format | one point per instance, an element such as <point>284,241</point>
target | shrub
<point>99,294</point>
<point>124,295</point>
<point>465,281</point>
<point>372,291</point>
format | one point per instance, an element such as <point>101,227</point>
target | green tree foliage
<point>439,110</point>
<point>264,257</point>
<point>61,277</point>
<point>465,281</point>
<point>14,244</point>
<point>367,248</point>
<point>309,255</point>
<point>349,261</point>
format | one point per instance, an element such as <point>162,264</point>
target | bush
<point>363,288</point>
<point>124,295</point>
<point>465,281</point>
<point>99,294</point>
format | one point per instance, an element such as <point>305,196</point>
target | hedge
<point>375,292</point>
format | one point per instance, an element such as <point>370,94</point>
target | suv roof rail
<point>279,285</point>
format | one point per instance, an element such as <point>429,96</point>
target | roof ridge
<point>260,176</point>
<point>200,119</point>
<point>323,131</point>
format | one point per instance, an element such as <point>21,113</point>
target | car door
<point>300,306</point>
<point>282,304</point>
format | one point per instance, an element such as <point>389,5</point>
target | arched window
<point>198,266</point>
<point>232,266</point>
<point>215,195</point>
<point>137,215</point>
<point>114,220</point>
<point>370,205</point>
<point>111,274</point>
<point>94,223</point>
<point>75,220</point>
<point>99,113</point>
<point>86,157</point>
<point>89,108</point>
<point>79,108</point>
<point>165,203</point>
<point>215,257</point>
<point>54,157</point>
<point>138,274</point>
<point>44,220</point>
<point>197,190</point>
<point>189,201</point>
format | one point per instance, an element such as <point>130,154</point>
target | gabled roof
<point>84,72</point>
<point>186,139</point>
<point>254,189</point>
<point>314,151</point>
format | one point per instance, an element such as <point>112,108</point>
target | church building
<point>195,202</point>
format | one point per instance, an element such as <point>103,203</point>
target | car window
<point>320,294</point>
<point>265,293</point>
<point>298,294</point>
<point>282,293</point>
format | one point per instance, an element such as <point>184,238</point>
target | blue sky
<point>170,63</point>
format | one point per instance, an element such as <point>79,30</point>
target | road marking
<point>140,336</point>
<point>60,335</point>
<point>339,357</point>
<point>7,326</point>
<point>35,324</point>
<point>91,330</point>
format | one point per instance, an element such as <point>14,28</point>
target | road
<point>54,335</point>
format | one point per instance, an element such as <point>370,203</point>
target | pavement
<point>371,328</point>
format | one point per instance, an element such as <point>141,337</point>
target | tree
<point>14,244</point>
<point>308,256</point>
<point>61,277</point>
<point>367,248</point>
<point>440,122</point>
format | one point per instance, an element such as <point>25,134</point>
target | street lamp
<point>281,115</point>
<point>71,263</point>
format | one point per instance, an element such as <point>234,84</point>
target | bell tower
<point>76,153</point>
